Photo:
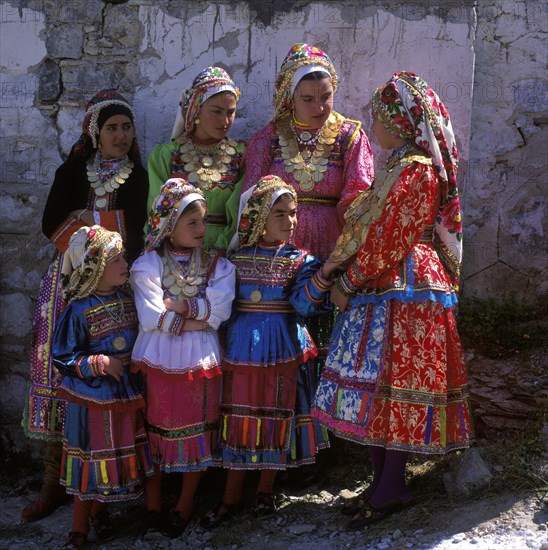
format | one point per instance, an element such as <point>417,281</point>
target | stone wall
<point>485,62</point>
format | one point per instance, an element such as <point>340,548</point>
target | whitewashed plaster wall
<point>56,55</point>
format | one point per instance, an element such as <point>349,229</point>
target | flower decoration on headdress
<point>410,109</point>
<point>211,81</point>
<point>260,200</point>
<point>300,55</point>
<point>84,261</point>
<point>174,196</point>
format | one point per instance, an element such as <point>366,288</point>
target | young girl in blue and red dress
<point>182,294</point>
<point>105,449</point>
<point>268,373</point>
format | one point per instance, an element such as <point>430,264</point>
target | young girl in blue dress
<point>105,449</point>
<point>268,374</point>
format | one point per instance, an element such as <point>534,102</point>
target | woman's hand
<point>329,267</point>
<point>113,366</point>
<point>84,215</point>
<point>338,298</point>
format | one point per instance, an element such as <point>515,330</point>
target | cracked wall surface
<point>485,60</point>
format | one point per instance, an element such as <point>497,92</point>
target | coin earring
<point>197,121</point>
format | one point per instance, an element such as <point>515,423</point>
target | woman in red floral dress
<point>395,378</point>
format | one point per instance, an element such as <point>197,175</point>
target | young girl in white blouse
<point>182,295</point>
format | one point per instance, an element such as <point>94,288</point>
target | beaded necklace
<point>100,187</point>
<point>182,280</point>
<point>257,295</point>
<point>119,342</point>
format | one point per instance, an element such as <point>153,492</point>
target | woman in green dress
<point>201,153</point>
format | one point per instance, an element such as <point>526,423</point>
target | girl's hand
<point>329,267</point>
<point>193,324</point>
<point>178,306</point>
<point>84,215</point>
<point>339,299</point>
<point>114,367</point>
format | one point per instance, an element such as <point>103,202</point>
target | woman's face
<point>216,117</point>
<point>313,102</point>
<point>116,137</point>
<point>190,229</point>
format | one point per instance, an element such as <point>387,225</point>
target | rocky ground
<point>309,519</point>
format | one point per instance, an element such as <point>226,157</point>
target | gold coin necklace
<point>204,166</point>
<point>307,167</point>
<point>119,342</point>
<point>256,295</point>
<point>179,280</point>
<point>102,188</point>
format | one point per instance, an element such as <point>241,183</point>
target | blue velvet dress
<point>268,372</point>
<point>105,448</point>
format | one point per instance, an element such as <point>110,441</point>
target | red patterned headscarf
<point>211,81</point>
<point>300,55</point>
<point>411,110</point>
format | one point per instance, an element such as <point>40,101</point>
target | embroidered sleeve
<point>61,236</point>
<point>220,292</point>
<point>171,322</point>
<point>309,295</point>
<point>69,345</point>
<point>411,206</point>
<point>145,279</point>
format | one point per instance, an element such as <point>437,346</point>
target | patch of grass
<point>497,328</point>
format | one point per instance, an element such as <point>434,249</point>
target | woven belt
<point>270,306</point>
<point>319,201</point>
<point>428,235</point>
<point>216,219</point>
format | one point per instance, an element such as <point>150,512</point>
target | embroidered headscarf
<point>410,109</point>
<point>300,60</point>
<point>211,81</point>
<point>175,195</point>
<point>99,109</point>
<point>88,252</point>
<point>255,205</point>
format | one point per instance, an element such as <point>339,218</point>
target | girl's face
<point>384,138</point>
<point>116,137</point>
<point>216,117</point>
<point>115,273</point>
<point>281,221</point>
<point>190,229</point>
<point>313,102</point>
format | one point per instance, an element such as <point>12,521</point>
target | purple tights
<point>388,483</point>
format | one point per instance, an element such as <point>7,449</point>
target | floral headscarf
<point>211,81</point>
<point>175,195</point>
<point>103,105</point>
<point>300,55</point>
<point>84,261</point>
<point>410,109</point>
<point>255,205</point>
